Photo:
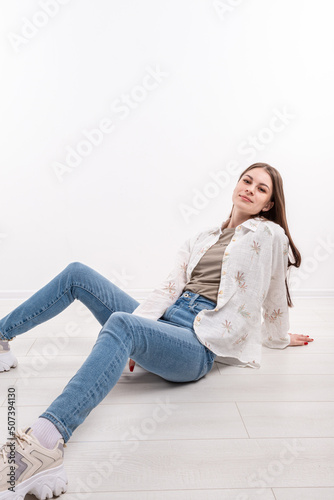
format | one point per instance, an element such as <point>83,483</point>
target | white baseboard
<point>141,294</point>
<point>319,293</point>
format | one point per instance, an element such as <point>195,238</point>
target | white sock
<point>5,343</point>
<point>46,432</point>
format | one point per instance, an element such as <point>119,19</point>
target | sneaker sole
<point>45,484</point>
<point>7,361</point>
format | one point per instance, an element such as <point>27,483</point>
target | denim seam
<point>53,303</point>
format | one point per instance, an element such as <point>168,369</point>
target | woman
<point>208,308</point>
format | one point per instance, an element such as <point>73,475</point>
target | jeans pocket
<point>170,311</point>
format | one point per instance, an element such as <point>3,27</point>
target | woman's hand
<point>296,339</point>
<point>131,364</point>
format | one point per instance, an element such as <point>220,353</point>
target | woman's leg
<point>171,351</point>
<point>168,347</point>
<point>76,281</point>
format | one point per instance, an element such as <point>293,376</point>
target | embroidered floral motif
<point>240,339</point>
<point>171,289</point>
<point>240,277</point>
<point>267,230</point>
<point>241,281</point>
<point>184,267</point>
<point>286,248</point>
<point>256,247</point>
<point>227,325</point>
<point>243,313</point>
<point>274,316</point>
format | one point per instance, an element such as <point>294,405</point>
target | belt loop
<point>196,295</point>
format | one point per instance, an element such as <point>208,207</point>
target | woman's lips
<point>245,199</point>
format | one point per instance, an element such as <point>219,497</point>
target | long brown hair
<point>277,214</point>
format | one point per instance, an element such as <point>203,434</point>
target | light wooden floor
<point>236,434</point>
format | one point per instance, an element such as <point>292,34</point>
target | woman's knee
<point>75,267</point>
<point>119,323</point>
<point>76,272</point>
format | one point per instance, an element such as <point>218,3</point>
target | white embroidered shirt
<point>253,272</point>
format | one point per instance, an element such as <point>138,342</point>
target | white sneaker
<point>28,467</point>
<point>7,358</point>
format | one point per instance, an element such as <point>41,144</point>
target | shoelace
<point>20,437</point>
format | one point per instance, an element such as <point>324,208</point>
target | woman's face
<point>257,186</point>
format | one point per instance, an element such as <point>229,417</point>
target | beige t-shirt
<point>205,278</point>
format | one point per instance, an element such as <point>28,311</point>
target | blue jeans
<point>167,347</point>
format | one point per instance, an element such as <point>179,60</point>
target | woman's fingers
<point>297,339</point>
<point>305,338</point>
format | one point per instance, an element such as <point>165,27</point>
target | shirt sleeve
<point>170,288</point>
<point>275,311</point>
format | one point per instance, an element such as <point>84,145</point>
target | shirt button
<point>233,239</point>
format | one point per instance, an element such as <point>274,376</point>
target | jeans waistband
<point>196,296</point>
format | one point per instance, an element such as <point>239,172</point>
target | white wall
<point>228,67</point>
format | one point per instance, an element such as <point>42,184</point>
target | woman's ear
<point>268,206</point>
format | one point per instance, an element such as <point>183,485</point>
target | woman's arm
<point>275,306</point>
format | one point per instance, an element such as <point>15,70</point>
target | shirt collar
<point>251,224</point>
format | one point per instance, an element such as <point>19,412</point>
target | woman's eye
<point>263,190</point>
